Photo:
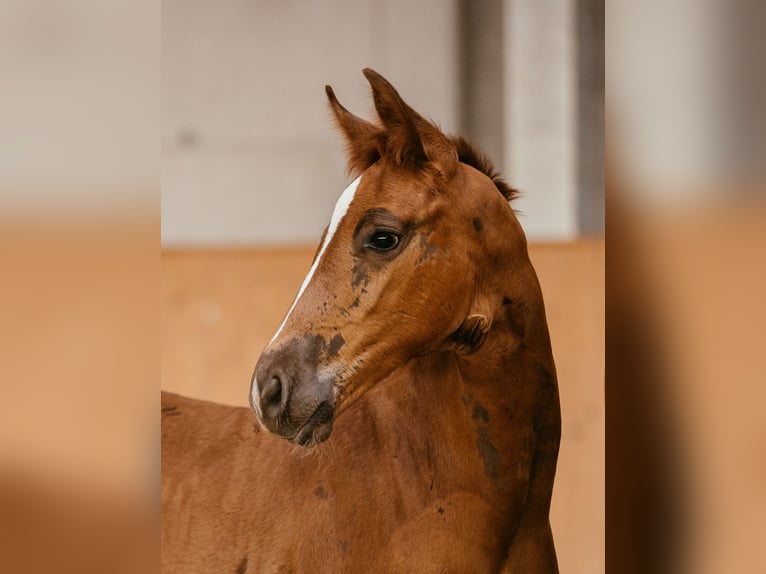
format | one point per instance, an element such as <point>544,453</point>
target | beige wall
<point>249,151</point>
<point>250,156</point>
<point>540,113</point>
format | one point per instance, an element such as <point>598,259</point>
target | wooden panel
<point>572,278</point>
<point>220,308</point>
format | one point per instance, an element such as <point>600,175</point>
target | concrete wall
<point>249,153</point>
<point>540,113</point>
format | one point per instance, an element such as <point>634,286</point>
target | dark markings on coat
<point>242,568</point>
<point>489,455</point>
<point>170,411</point>
<point>336,343</point>
<point>361,278</point>
<point>374,438</point>
<point>507,301</point>
<point>344,546</point>
<point>547,434</point>
<point>479,412</point>
<point>441,510</point>
<point>546,376</point>
<point>427,251</point>
<point>355,303</point>
<point>477,224</point>
<point>320,492</point>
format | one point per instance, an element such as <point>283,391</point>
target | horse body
<point>444,495</point>
<point>444,458</point>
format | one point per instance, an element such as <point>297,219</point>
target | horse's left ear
<point>410,137</point>
<point>364,141</point>
<point>471,333</point>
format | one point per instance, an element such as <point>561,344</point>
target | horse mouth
<point>317,428</point>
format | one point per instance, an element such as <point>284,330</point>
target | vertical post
<point>480,77</point>
<point>540,119</point>
<point>590,116</point>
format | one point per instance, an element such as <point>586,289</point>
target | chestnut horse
<point>417,348</point>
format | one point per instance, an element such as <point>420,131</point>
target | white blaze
<point>341,207</point>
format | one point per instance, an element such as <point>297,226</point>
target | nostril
<point>271,396</point>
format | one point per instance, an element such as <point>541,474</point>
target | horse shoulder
<point>205,447</point>
<point>455,534</point>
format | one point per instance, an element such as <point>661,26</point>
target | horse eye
<point>383,240</point>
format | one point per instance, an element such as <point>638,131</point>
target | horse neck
<point>511,363</point>
<point>511,378</point>
<point>508,386</point>
<point>512,374</point>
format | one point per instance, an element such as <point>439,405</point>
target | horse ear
<point>411,138</point>
<point>471,333</point>
<point>365,142</point>
<point>403,141</point>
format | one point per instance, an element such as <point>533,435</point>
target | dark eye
<point>383,240</point>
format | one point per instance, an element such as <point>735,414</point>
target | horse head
<point>419,257</point>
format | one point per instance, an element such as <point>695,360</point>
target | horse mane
<point>476,159</point>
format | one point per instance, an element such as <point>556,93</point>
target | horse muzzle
<point>291,397</point>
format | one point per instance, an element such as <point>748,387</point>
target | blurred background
<point>252,166</point>
<point>250,157</point>
<point>105,102</point>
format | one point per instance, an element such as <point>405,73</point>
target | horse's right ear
<point>364,141</point>
<point>410,137</point>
